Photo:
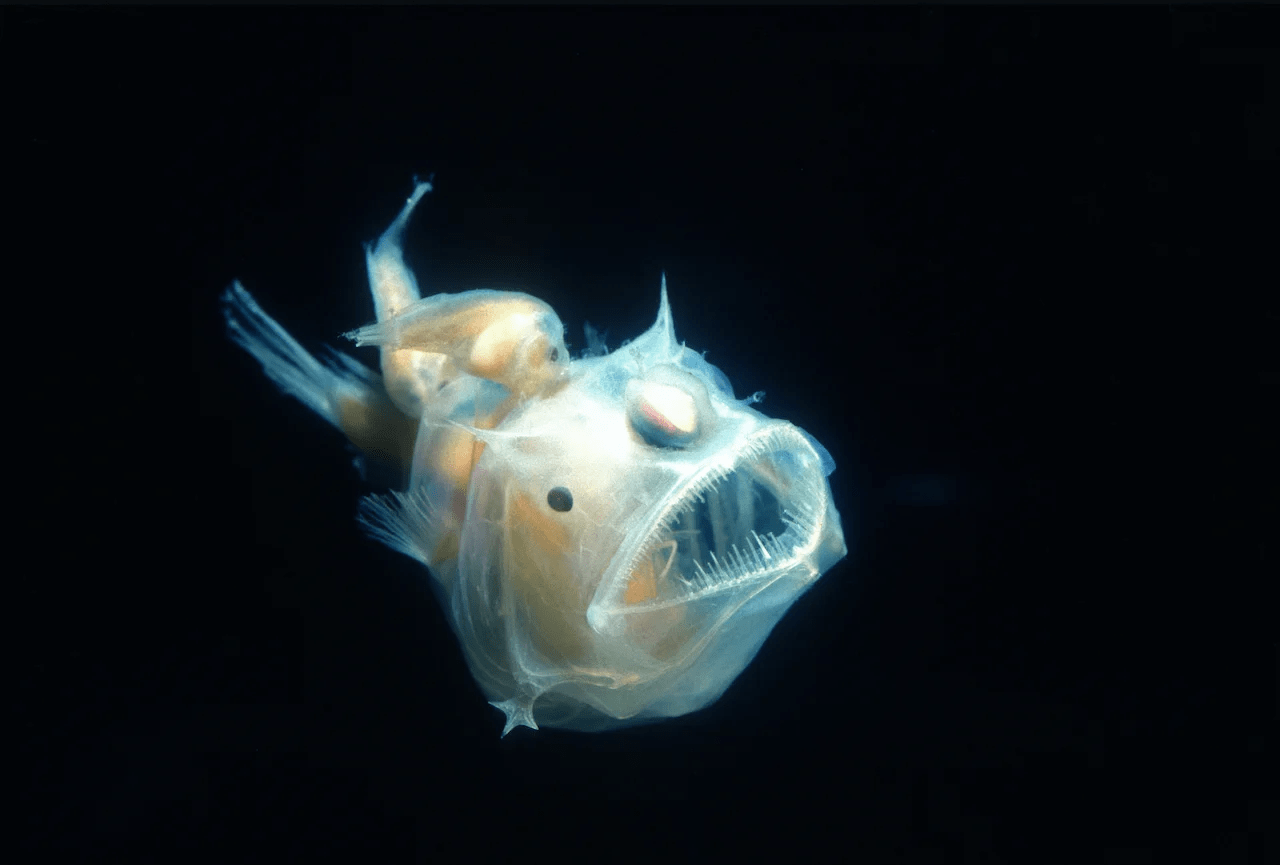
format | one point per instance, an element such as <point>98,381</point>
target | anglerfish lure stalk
<point>612,537</point>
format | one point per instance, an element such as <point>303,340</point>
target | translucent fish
<point>613,537</point>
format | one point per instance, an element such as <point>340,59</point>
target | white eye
<point>664,415</point>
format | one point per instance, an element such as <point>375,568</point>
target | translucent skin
<point>612,537</point>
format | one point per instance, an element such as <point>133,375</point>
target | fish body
<point>612,537</point>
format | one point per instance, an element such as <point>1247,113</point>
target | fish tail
<point>322,386</point>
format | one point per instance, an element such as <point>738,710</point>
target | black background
<point>1014,249</point>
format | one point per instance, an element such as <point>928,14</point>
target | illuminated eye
<point>560,499</point>
<point>664,415</point>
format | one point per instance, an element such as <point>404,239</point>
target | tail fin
<point>323,387</point>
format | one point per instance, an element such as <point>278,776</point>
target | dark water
<point>996,262</point>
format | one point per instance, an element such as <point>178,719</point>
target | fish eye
<point>553,355</point>
<point>560,499</point>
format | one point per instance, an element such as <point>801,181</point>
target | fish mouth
<point>727,527</point>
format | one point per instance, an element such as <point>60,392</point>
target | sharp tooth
<point>764,551</point>
<point>703,579</point>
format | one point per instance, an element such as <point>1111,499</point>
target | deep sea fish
<point>612,536</point>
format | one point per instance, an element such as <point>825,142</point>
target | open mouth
<point>725,528</point>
